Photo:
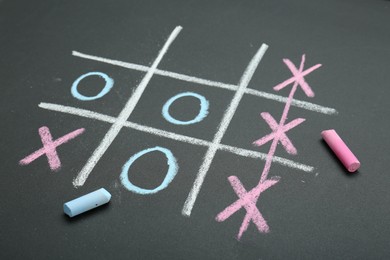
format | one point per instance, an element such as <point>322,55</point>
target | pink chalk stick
<point>341,150</point>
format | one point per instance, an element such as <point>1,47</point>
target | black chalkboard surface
<point>203,121</point>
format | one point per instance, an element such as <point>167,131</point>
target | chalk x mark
<point>50,147</point>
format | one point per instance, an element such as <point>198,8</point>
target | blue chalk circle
<point>204,107</point>
<point>171,173</point>
<point>87,202</point>
<point>109,83</point>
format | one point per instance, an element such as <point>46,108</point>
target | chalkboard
<point>203,121</point>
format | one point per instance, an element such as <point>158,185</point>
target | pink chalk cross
<point>248,201</point>
<point>279,132</point>
<point>298,77</point>
<point>49,147</point>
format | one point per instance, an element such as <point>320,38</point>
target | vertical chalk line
<point>248,200</point>
<point>124,114</point>
<point>227,117</point>
<point>298,103</point>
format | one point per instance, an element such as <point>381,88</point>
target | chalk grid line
<point>173,136</point>
<point>298,103</point>
<point>121,121</point>
<point>226,119</point>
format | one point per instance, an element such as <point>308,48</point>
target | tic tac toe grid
<point>241,89</point>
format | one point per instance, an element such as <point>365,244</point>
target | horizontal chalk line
<point>177,137</point>
<point>183,77</point>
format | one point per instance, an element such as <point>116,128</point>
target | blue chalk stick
<point>87,202</point>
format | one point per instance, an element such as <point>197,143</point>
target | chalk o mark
<point>109,83</point>
<point>171,173</point>
<point>204,107</point>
